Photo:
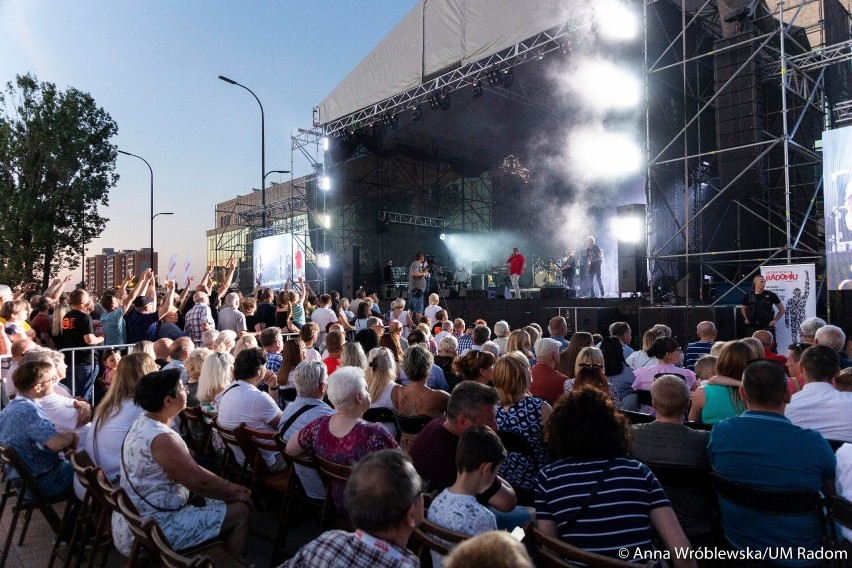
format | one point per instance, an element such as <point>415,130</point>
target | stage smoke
<point>597,154</point>
<point>604,86</point>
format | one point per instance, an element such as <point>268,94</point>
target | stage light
<point>605,86</point>
<point>325,183</point>
<point>507,77</point>
<point>615,21</point>
<point>416,113</point>
<point>325,143</point>
<point>628,229</point>
<point>323,260</point>
<point>477,89</point>
<point>443,236</point>
<point>444,101</point>
<point>597,154</point>
<point>493,76</point>
<point>326,221</point>
<point>434,101</point>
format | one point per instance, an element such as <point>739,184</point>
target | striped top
<point>619,515</point>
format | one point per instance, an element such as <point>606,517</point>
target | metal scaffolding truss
<point>801,78</point>
<point>406,219</point>
<point>554,39</point>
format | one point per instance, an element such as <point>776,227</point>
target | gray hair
<point>831,336</point>
<point>546,346</point>
<point>226,340</point>
<point>501,329</point>
<point>232,300</point>
<point>809,327</point>
<point>449,343</point>
<point>492,348</point>
<point>308,377</point>
<point>344,384</point>
<point>399,303</point>
<point>371,321</point>
<point>199,297</point>
<point>43,354</point>
<point>417,363</point>
<point>5,292</point>
<point>468,398</point>
<point>209,337</point>
<point>353,355</point>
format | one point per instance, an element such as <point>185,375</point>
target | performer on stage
<point>568,268</point>
<point>593,257</point>
<point>462,276</point>
<point>517,263</point>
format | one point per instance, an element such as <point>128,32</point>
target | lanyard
<point>384,547</point>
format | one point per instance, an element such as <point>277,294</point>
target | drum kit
<point>546,273</point>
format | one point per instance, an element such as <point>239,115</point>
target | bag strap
<point>592,494</point>
<point>141,495</point>
<point>284,427</point>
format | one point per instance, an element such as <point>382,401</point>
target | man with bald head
<point>558,328</point>
<point>232,318</point>
<point>768,343</point>
<point>161,351</point>
<point>18,350</point>
<point>178,354</point>
<point>706,332</point>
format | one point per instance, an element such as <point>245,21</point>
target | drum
<point>545,277</point>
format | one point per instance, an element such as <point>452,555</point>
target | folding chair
<point>333,475</point>
<point>549,552</point>
<point>516,443</point>
<point>228,465</point>
<point>410,427</point>
<point>430,537</point>
<point>382,415</point>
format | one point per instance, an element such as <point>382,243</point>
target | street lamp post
<point>152,202</point>
<point>262,148</point>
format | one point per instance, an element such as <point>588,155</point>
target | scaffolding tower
<point>723,207</point>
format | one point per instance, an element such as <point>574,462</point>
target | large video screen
<point>837,180</point>
<point>280,257</point>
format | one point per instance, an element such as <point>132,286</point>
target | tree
<point>56,168</point>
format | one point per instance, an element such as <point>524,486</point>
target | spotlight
<point>323,260</point>
<point>416,113</point>
<point>434,100</point>
<point>325,183</point>
<point>325,143</point>
<point>326,221</point>
<point>443,236</point>
<point>477,89</point>
<point>493,76</point>
<point>628,229</point>
<point>615,21</point>
<point>444,101</point>
<point>606,86</point>
<point>507,78</point>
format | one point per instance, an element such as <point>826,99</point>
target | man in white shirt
<point>324,315</point>
<point>243,402</point>
<point>819,406</point>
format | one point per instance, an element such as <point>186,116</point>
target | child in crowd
<point>843,381</point>
<point>478,457</point>
<point>705,368</point>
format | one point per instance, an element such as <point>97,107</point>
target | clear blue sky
<point>154,65</point>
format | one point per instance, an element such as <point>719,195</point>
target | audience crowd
<point>475,429</point>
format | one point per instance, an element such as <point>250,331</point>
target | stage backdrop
<point>795,285</point>
<point>837,173</point>
<point>278,258</point>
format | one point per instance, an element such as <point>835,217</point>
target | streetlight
<point>152,203</point>
<point>262,148</point>
<point>274,172</point>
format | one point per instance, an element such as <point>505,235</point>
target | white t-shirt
<point>431,311</point>
<point>104,444</point>
<point>322,317</point>
<point>844,477</point>
<point>244,402</point>
<point>312,354</point>
<point>460,513</point>
<point>63,414</point>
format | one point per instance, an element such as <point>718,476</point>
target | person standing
<point>568,268</point>
<point>757,308</point>
<point>79,331</point>
<point>417,285</point>
<point>594,259</point>
<point>517,264</point>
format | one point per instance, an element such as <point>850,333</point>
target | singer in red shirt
<point>517,264</point>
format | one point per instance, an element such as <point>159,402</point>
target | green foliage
<point>56,168</point>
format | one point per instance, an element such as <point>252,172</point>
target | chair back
<point>431,537</point>
<point>332,475</point>
<point>698,425</point>
<point>637,417</point>
<point>550,552</point>
<point>681,477</point>
<point>382,415</point>
<point>840,511</point>
<point>409,428</point>
<point>769,501</point>
<point>332,472</point>
<point>167,555</point>
<point>28,489</point>
<point>644,397</point>
<point>251,442</point>
<point>229,465</point>
<point>193,423</point>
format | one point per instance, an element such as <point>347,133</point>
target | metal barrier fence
<point>71,373</point>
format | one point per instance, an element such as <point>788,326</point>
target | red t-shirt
<point>331,363</point>
<point>516,264</point>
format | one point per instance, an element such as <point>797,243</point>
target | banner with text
<point>795,285</point>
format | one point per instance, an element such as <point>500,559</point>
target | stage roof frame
<point>441,47</point>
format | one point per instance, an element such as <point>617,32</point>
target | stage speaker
<point>351,270</point>
<point>683,321</point>
<point>481,295</point>
<point>557,293</point>
<point>592,320</point>
<point>632,274</point>
<point>632,253</point>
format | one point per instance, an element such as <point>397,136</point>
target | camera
<point>430,262</point>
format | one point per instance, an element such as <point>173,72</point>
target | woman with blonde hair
<point>534,336</point>
<point>247,341</point>
<point>589,370</point>
<point>639,359</point>
<point>519,340</point>
<point>193,366</point>
<point>523,413</point>
<point>398,313</point>
<point>433,308</point>
<point>217,373</point>
<point>720,397</point>
<point>225,341</point>
<point>115,415</point>
<point>381,377</point>
<point>353,356</point>
<point>568,358</point>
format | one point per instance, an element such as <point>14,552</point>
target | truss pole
<point>788,220</point>
<point>648,209</point>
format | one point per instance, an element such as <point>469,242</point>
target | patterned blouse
<point>523,417</point>
<point>364,438</point>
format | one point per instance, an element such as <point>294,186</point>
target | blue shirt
<point>695,351</point>
<point>115,329</point>
<point>766,450</point>
<point>563,342</point>
<point>25,427</point>
<point>436,380</point>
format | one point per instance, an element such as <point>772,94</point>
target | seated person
<point>243,403</point>
<point>594,495</point>
<point>761,448</point>
<point>666,441</point>
<point>478,456</point>
<point>386,504</point>
<point>705,368</point>
<point>159,474</point>
<point>416,398</point>
<point>343,437</point>
<point>819,405</point>
<point>334,344</point>
<point>495,549</point>
<point>25,427</point>
<point>311,381</point>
